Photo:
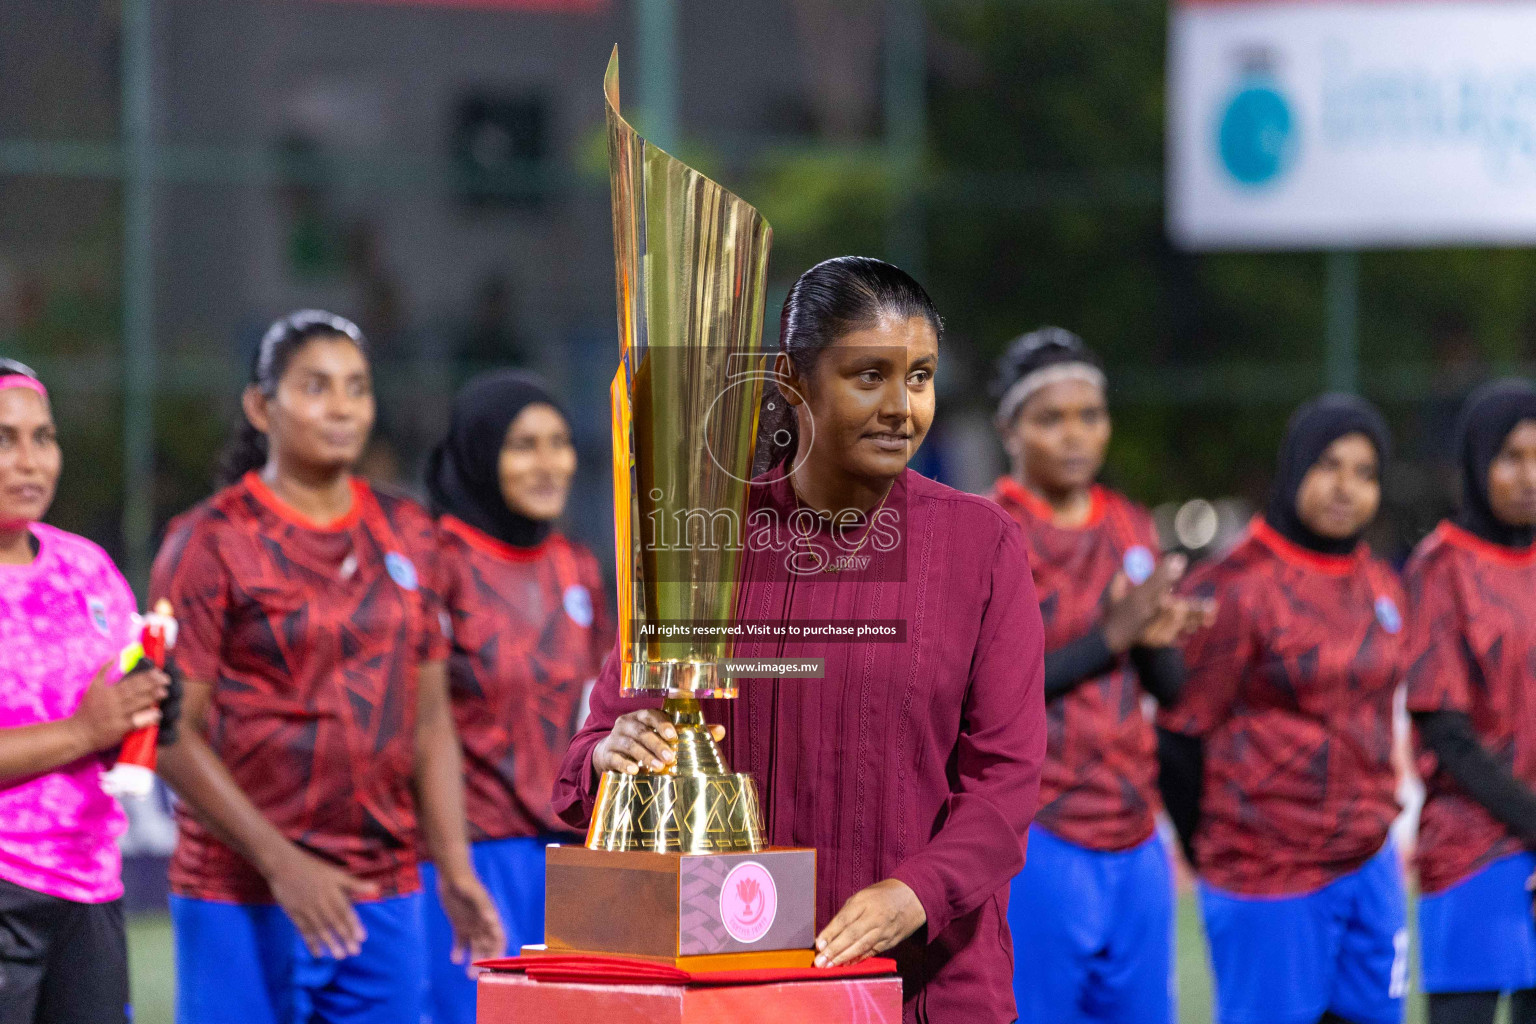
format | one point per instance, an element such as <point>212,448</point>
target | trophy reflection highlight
<point>691,262</point>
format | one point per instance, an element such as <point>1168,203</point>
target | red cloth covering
<point>621,970</point>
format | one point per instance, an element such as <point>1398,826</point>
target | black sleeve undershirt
<point>1076,662</point>
<point>1160,669</point>
<point>1450,735</point>
<point>1181,778</point>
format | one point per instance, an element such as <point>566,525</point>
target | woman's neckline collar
<point>494,546</point>
<point>286,512</point>
<point>1461,537</point>
<point>1041,509</point>
<point>1289,551</point>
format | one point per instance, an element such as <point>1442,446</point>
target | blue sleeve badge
<point>578,604</point>
<point>1138,564</point>
<point>402,570</point>
<point>98,609</point>
<point>1387,614</point>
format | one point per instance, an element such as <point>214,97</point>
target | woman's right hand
<point>108,713</point>
<point>318,897</point>
<point>640,739</point>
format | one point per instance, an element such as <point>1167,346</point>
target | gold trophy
<point>684,844</point>
<point>691,260</point>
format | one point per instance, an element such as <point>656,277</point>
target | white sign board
<point>1327,124</point>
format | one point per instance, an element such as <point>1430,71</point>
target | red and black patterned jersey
<point>311,637</point>
<point>1472,650</point>
<point>530,631</point>
<point>1291,689</point>
<point>1099,785</point>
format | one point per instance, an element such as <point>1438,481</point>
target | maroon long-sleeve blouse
<point>917,760</point>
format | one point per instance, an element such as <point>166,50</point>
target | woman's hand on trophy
<point>872,921</point>
<point>641,739</point>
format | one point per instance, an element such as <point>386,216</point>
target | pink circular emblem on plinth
<point>748,901</point>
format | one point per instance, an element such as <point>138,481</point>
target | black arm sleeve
<point>1075,663</point>
<point>1449,734</point>
<point>1181,777</point>
<point>1161,671</point>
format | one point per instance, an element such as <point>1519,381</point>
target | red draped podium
<point>611,990</point>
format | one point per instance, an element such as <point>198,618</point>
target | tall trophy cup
<point>675,868</point>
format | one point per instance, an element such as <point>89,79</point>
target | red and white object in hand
<point>134,773</point>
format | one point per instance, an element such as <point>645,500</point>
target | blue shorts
<point>512,871</point>
<point>1289,959</point>
<point>1092,933</point>
<point>239,963</point>
<point>1478,935</point>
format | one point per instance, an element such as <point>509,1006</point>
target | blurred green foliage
<point>1037,200</point>
<point>1042,204</point>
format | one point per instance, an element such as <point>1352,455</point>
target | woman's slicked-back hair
<point>833,299</point>
<point>279,345</point>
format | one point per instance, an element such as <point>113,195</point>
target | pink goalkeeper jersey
<point>60,618</point>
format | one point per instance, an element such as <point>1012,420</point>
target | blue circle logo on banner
<point>1256,137</point>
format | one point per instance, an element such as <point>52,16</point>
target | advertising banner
<point>1332,125</point>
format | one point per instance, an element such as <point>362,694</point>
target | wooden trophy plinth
<point>714,911</point>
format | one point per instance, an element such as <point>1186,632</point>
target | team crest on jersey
<point>1387,614</point>
<point>401,569</point>
<point>98,609</point>
<point>578,604</point>
<point>1138,564</point>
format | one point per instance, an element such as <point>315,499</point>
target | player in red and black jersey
<point>1091,913</point>
<point>321,741</point>
<point>529,635</point>
<point>1472,690</point>
<point>1289,707</point>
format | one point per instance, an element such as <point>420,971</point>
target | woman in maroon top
<point>913,766</point>
<point>529,633</point>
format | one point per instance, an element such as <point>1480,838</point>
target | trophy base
<point>762,960</point>
<point>676,814</point>
<point>673,906</point>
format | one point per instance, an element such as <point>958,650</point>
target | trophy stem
<point>697,751</point>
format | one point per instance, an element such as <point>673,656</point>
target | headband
<point>299,323</point>
<point>1025,387</point>
<point>19,380</point>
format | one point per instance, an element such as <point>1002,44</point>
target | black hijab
<point>1312,428</point>
<point>1491,412</point>
<point>462,473</point>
